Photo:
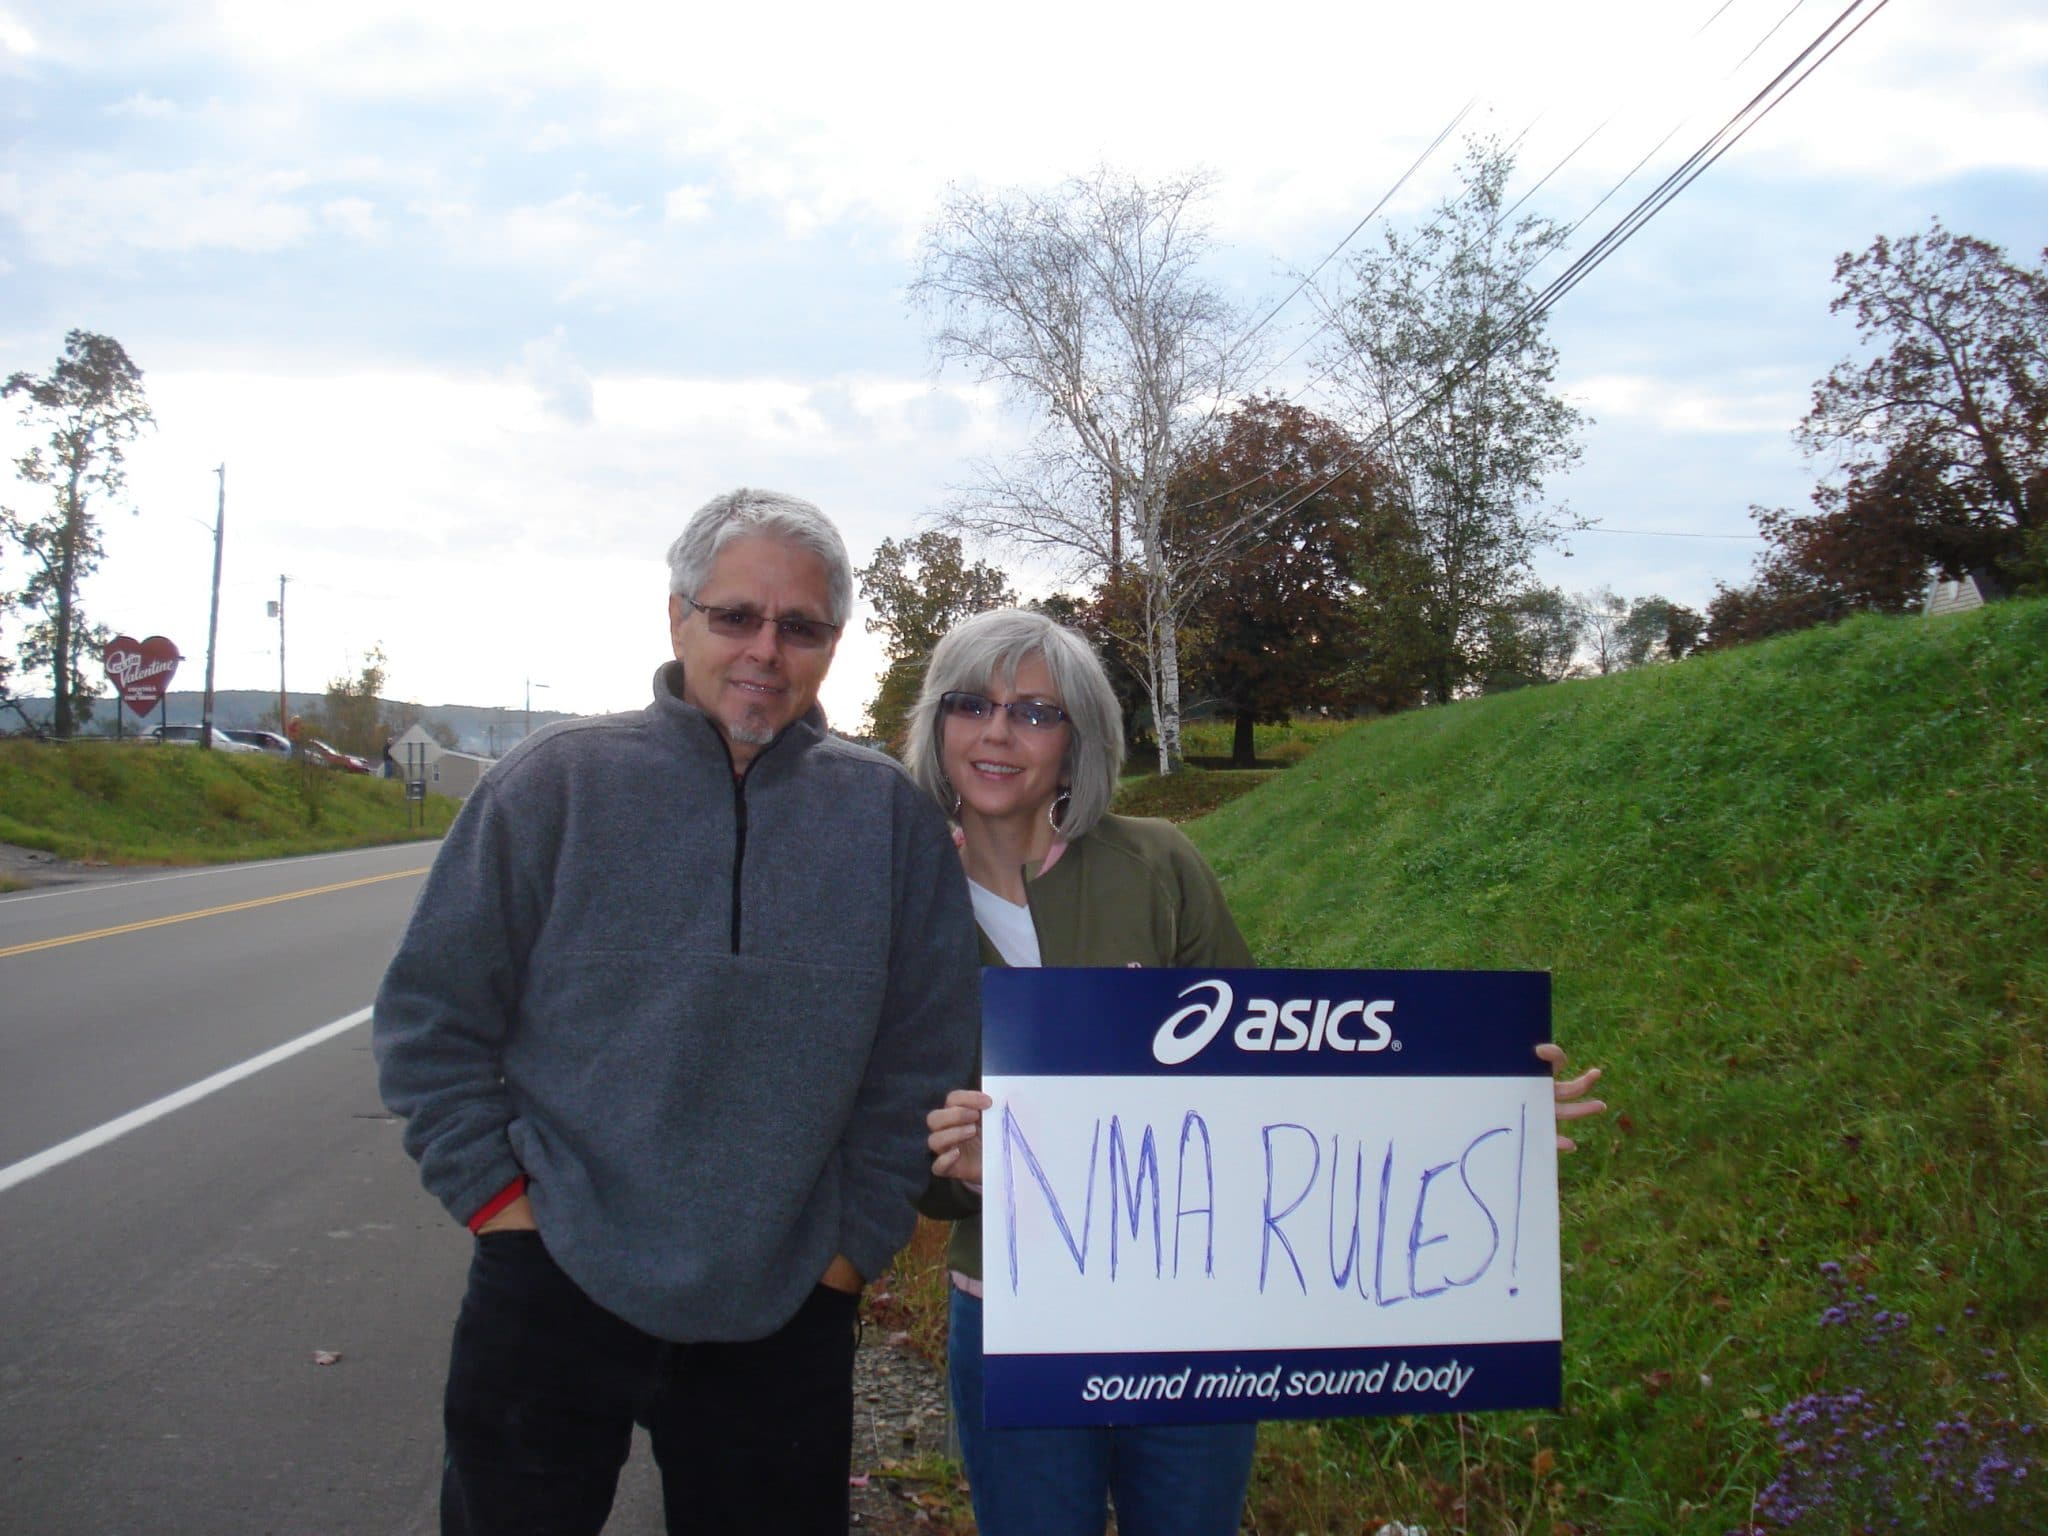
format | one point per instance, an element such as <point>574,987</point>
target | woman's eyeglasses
<point>1036,713</point>
<point>744,624</point>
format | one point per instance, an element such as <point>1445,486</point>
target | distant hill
<point>478,728</point>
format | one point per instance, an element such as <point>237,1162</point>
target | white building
<point>1952,596</point>
<point>419,756</point>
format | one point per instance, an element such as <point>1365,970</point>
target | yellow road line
<point>186,917</point>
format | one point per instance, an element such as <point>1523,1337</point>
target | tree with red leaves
<point>1940,436</point>
<point>1287,624</point>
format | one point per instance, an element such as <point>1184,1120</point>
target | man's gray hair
<point>987,650</point>
<point>747,512</point>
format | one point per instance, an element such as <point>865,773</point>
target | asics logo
<point>1267,1024</point>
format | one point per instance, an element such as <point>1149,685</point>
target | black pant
<point>544,1387</point>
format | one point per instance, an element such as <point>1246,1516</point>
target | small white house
<point>1952,597</point>
<point>419,756</point>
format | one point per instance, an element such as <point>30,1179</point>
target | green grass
<point>116,803</point>
<point>1794,899</point>
<point>1188,794</point>
<point>1278,746</point>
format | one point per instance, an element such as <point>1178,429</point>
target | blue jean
<point>1164,1479</point>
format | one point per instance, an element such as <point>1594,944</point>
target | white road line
<point>10,898</point>
<point>99,1136</point>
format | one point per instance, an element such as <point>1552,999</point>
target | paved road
<point>165,1290</point>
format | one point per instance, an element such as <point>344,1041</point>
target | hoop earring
<point>1058,808</point>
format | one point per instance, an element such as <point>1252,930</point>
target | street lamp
<point>530,686</point>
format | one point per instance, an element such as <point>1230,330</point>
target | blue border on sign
<point>1263,1023</point>
<point>1232,1386</point>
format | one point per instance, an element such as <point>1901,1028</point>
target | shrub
<point>1892,1449</point>
<point>315,783</point>
<point>92,771</point>
<point>230,799</point>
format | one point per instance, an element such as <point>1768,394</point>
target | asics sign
<point>1298,1024</point>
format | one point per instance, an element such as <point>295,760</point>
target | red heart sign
<point>142,670</point>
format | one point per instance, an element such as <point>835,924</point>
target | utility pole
<point>284,708</point>
<point>530,686</point>
<point>220,518</point>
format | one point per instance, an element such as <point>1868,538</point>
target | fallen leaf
<point>858,1480</point>
<point>326,1356</point>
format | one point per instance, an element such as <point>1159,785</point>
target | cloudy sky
<point>476,301</point>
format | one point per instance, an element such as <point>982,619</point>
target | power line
<point>1666,533</point>
<point>1434,144</point>
<point>1695,165</point>
<point>1797,6</point>
<point>1732,131</point>
<point>1629,175</point>
<point>1429,229</point>
<point>1521,276</point>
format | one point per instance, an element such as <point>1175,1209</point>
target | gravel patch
<point>899,1435</point>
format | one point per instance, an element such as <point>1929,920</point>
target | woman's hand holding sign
<point>955,1139</point>
<point>1570,1093</point>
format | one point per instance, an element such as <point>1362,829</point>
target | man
<point>664,1028</point>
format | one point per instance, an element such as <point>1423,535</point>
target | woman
<point>1018,735</point>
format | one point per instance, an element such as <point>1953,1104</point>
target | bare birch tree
<point>1086,304</point>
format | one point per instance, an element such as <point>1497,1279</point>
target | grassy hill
<point>129,803</point>
<point>1794,899</point>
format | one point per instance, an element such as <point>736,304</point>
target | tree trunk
<point>1164,636</point>
<point>1169,701</point>
<point>60,663</point>
<point>1242,754</point>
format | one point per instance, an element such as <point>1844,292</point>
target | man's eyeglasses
<point>744,624</point>
<point>1036,713</point>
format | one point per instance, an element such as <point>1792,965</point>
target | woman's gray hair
<point>748,511</point>
<point>987,649</point>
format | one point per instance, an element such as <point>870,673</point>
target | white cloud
<point>868,123</point>
<point>355,217</point>
<point>145,106</point>
<point>483,536</point>
<point>571,225</point>
<point>563,386</point>
<point>870,120</point>
<point>15,38</point>
<point>1770,404</point>
<point>584,238</point>
<point>88,209</point>
<point>687,204</point>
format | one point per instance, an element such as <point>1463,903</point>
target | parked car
<point>264,741</point>
<point>334,757</point>
<point>189,736</point>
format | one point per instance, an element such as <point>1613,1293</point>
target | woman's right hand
<point>955,1139</point>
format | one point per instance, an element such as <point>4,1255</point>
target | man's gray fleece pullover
<point>704,1016</point>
